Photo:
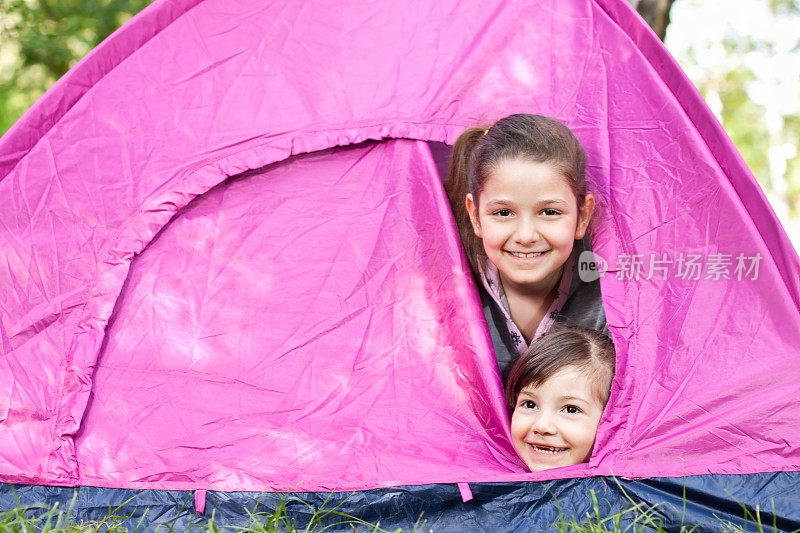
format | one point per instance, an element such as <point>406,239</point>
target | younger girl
<point>518,192</point>
<point>558,389</point>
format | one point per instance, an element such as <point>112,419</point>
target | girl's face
<point>555,423</point>
<point>528,219</point>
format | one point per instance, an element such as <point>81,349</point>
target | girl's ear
<point>584,216</point>
<point>472,209</point>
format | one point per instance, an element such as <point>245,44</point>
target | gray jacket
<point>584,307</point>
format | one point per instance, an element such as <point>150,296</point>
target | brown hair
<point>563,345</point>
<point>478,151</point>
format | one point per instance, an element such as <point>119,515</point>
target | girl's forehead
<point>523,180</point>
<point>569,380</point>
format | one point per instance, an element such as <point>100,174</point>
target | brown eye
<point>572,409</point>
<point>502,213</point>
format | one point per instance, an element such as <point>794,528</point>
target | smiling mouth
<point>523,255</point>
<point>550,450</point>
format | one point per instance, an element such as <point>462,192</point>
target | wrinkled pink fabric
<point>311,324</point>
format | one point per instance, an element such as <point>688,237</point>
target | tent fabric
<point>300,378</point>
<point>706,503</point>
<point>200,292</point>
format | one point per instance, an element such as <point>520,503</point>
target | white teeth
<point>531,254</point>
<point>548,449</point>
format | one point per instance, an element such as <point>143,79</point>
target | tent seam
<point>523,477</point>
<point>56,435</point>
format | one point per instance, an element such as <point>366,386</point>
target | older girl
<point>518,191</point>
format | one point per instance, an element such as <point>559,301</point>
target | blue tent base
<point>709,502</point>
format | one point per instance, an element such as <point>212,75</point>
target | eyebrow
<point>502,202</point>
<point>546,202</point>
<point>575,398</point>
<point>553,201</point>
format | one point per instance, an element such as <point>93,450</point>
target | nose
<point>527,230</point>
<point>544,424</point>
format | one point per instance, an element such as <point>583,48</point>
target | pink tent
<point>203,286</point>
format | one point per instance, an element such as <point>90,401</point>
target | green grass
<point>55,519</point>
<point>641,518</point>
<point>637,518</point>
<point>43,518</point>
<point>281,520</point>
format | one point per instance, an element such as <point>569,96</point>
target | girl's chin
<point>526,280</point>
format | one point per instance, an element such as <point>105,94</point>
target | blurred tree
<point>744,57</point>
<point>656,14</point>
<point>787,5</point>
<point>41,39</point>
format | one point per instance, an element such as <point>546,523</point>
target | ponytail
<point>457,187</point>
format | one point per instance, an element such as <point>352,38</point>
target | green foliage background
<point>41,39</point>
<point>749,86</point>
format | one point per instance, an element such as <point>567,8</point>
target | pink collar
<point>490,278</point>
